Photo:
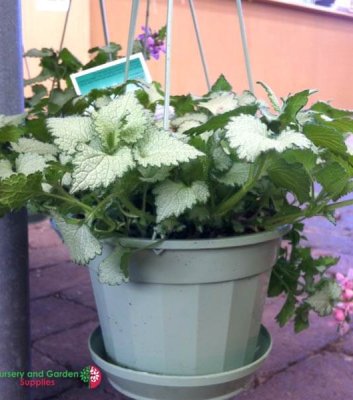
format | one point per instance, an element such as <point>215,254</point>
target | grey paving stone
<point>344,345</point>
<point>50,280</point>
<point>41,362</point>
<point>42,235</point>
<point>289,347</point>
<point>70,347</point>
<point>85,394</point>
<point>50,315</point>
<point>48,256</point>
<point>325,376</point>
<point>82,294</point>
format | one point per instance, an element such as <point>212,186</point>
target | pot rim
<point>198,244</point>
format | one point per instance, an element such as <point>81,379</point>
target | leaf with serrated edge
<point>271,96</point>
<point>95,169</point>
<point>83,246</point>
<point>11,119</point>
<point>188,121</point>
<point>154,174</point>
<point>292,177</point>
<point>30,163</point>
<point>5,169</point>
<point>27,145</point>
<point>110,271</point>
<point>173,198</point>
<point>322,300</point>
<point>70,131</point>
<point>158,148</point>
<point>220,102</point>
<point>237,175</point>
<point>123,119</point>
<point>250,137</point>
<point>17,189</point>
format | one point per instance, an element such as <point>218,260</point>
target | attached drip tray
<point>148,386</point>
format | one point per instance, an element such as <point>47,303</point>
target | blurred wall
<point>44,29</point>
<point>290,49</point>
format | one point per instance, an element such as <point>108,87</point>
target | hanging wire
<point>146,27</point>
<point>197,32</point>
<point>25,60</point>
<point>245,45</point>
<point>132,28</point>
<point>168,64</point>
<point>65,26</point>
<point>105,25</point>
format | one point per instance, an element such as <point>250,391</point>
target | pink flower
<point>338,314</point>
<point>343,311</point>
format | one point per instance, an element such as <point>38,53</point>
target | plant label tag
<point>111,74</point>
<point>52,5</point>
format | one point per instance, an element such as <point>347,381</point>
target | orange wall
<point>44,29</point>
<point>290,49</point>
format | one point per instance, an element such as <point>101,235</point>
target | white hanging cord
<point>132,28</point>
<point>65,26</point>
<point>168,64</point>
<point>197,32</point>
<point>146,27</point>
<point>245,45</point>
<point>26,63</point>
<point>105,25</point>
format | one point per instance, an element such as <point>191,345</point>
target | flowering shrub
<point>343,311</point>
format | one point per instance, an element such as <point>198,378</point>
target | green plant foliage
<point>228,165</point>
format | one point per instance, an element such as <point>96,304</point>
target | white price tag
<point>52,5</point>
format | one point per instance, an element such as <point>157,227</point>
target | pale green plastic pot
<point>147,386</point>
<point>192,307</point>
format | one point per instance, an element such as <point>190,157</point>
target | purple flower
<point>153,42</point>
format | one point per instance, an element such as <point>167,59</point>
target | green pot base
<point>141,385</point>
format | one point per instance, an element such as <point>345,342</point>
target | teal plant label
<point>110,74</point>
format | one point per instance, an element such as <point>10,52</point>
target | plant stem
<point>71,200</point>
<point>334,206</point>
<point>139,213</point>
<point>255,173</point>
<point>144,198</point>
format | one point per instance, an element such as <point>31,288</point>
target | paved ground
<point>314,365</point>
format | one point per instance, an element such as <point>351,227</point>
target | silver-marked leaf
<point>237,175</point>
<point>158,148</point>
<point>173,198</point>
<point>154,174</point>
<point>5,169</point>
<point>112,271</point>
<point>123,119</point>
<point>30,163</point>
<point>221,102</point>
<point>250,137</point>
<point>272,97</point>
<point>188,121</point>
<point>26,145</point>
<point>221,159</point>
<point>11,119</point>
<point>246,98</point>
<point>94,168</point>
<point>322,301</point>
<point>83,246</point>
<point>70,131</point>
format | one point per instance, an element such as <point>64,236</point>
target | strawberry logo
<point>91,376</point>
